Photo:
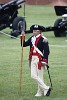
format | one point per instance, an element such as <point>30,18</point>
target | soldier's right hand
<point>23,33</point>
<point>22,36</point>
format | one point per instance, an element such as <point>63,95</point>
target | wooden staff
<point>21,61</point>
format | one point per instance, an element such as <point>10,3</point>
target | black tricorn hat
<point>37,27</point>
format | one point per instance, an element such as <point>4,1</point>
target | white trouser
<point>37,74</point>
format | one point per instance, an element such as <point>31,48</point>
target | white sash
<point>38,50</point>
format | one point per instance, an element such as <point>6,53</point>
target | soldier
<point>39,51</point>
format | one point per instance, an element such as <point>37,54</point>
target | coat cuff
<point>45,60</point>
<point>22,37</point>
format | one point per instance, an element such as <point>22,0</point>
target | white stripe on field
<point>62,46</point>
<point>8,35</point>
<point>58,64</point>
<point>66,40</point>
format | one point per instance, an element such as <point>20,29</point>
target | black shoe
<point>48,92</point>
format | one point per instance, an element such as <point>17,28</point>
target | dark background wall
<point>42,2</point>
<point>47,2</point>
<point>3,1</point>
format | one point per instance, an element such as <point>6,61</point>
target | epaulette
<point>45,39</point>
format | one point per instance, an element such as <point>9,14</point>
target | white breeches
<point>37,74</point>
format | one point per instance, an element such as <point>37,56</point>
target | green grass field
<point>10,55</point>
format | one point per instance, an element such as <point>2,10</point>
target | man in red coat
<point>39,51</point>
